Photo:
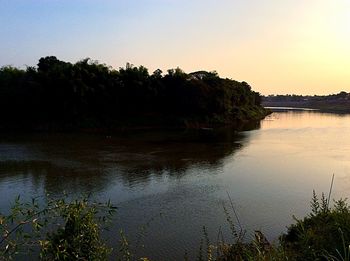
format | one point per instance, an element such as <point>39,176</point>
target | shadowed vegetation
<point>87,94</point>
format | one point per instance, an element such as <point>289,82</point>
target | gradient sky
<point>277,46</point>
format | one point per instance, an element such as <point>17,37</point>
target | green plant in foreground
<point>59,230</point>
<point>345,255</point>
<point>70,230</point>
<point>323,235</point>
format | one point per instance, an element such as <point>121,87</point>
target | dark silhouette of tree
<point>58,94</point>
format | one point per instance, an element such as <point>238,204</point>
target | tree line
<point>294,97</point>
<point>88,93</point>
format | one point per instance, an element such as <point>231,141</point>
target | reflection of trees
<point>89,163</point>
<point>52,178</point>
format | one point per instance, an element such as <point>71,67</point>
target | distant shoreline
<point>291,108</point>
<point>334,103</point>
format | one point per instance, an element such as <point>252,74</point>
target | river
<point>167,185</point>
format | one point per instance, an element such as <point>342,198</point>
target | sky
<point>277,46</point>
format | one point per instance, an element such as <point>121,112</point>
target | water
<point>168,185</point>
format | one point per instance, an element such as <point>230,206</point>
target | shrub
<point>324,233</point>
<point>58,231</point>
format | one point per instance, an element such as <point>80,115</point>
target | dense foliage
<point>55,229</point>
<point>323,235</point>
<point>90,94</point>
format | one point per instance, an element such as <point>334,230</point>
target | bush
<point>58,231</point>
<point>324,234</point>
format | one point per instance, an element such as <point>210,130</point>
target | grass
<point>62,230</point>
<point>324,234</point>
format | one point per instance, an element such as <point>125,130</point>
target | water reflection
<point>90,163</point>
<point>269,172</point>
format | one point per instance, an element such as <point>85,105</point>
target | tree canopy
<point>88,93</point>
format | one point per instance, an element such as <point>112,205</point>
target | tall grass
<point>63,230</point>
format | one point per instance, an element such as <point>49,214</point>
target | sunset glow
<point>278,47</point>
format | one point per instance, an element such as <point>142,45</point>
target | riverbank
<point>31,230</point>
<point>341,108</point>
<point>241,120</point>
<point>335,103</point>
